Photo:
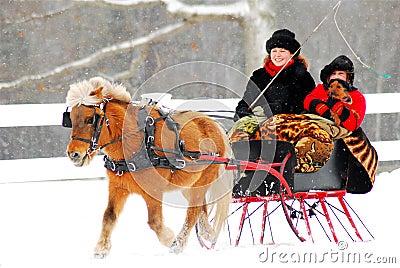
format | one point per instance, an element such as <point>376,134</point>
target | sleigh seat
<point>332,176</point>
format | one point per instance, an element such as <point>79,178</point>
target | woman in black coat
<point>287,92</point>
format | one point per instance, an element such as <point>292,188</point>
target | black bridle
<point>97,122</point>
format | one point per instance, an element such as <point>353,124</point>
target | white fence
<point>43,169</point>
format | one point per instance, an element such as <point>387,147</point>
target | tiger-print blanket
<point>313,138</point>
<point>311,134</point>
<point>365,154</point>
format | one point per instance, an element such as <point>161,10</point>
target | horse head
<point>88,101</point>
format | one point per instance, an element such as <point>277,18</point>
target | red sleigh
<point>307,199</point>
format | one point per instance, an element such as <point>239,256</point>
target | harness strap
<point>141,161</point>
<point>163,161</point>
<point>97,129</point>
<point>137,162</point>
<point>146,157</point>
<point>172,125</point>
<point>80,139</point>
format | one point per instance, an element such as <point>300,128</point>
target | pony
<point>161,150</point>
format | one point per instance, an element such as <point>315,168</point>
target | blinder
<point>67,122</point>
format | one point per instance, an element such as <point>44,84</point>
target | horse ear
<point>98,92</point>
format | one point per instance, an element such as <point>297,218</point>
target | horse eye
<point>89,120</point>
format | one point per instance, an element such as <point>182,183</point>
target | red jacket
<point>351,114</point>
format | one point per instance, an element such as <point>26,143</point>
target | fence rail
<point>37,169</point>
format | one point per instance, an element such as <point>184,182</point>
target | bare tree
<point>252,15</point>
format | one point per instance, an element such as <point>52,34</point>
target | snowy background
<point>56,224</point>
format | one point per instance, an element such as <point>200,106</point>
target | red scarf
<point>272,69</point>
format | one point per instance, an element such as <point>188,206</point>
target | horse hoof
<point>100,256</point>
<point>101,251</point>
<point>175,248</point>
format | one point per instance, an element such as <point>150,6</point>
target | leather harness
<point>146,157</point>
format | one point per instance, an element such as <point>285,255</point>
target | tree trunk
<point>257,27</point>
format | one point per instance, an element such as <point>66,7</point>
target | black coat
<point>285,95</point>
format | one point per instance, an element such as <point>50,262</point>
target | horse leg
<point>116,201</point>
<point>192,215</point>
<point>180,241</point>
<point>155,220</point>
<point>204,227</point>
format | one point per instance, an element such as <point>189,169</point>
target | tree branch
<point>127,45</point>
<point>190,13</point>
<point>35,16</point>
<point>235,10</point>
<point>119,3</point>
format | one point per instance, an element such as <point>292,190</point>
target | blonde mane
<point>82,92</point>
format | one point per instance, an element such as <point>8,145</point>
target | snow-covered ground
<point>56,224</point>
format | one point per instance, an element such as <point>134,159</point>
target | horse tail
<point>221,191</point>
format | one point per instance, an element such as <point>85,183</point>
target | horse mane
<point>83,92</point>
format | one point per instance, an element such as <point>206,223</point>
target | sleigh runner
<point>164,154</point>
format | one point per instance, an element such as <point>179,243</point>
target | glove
<point>259,111</point>
<point>241,112</point>
<point>320,107</point>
